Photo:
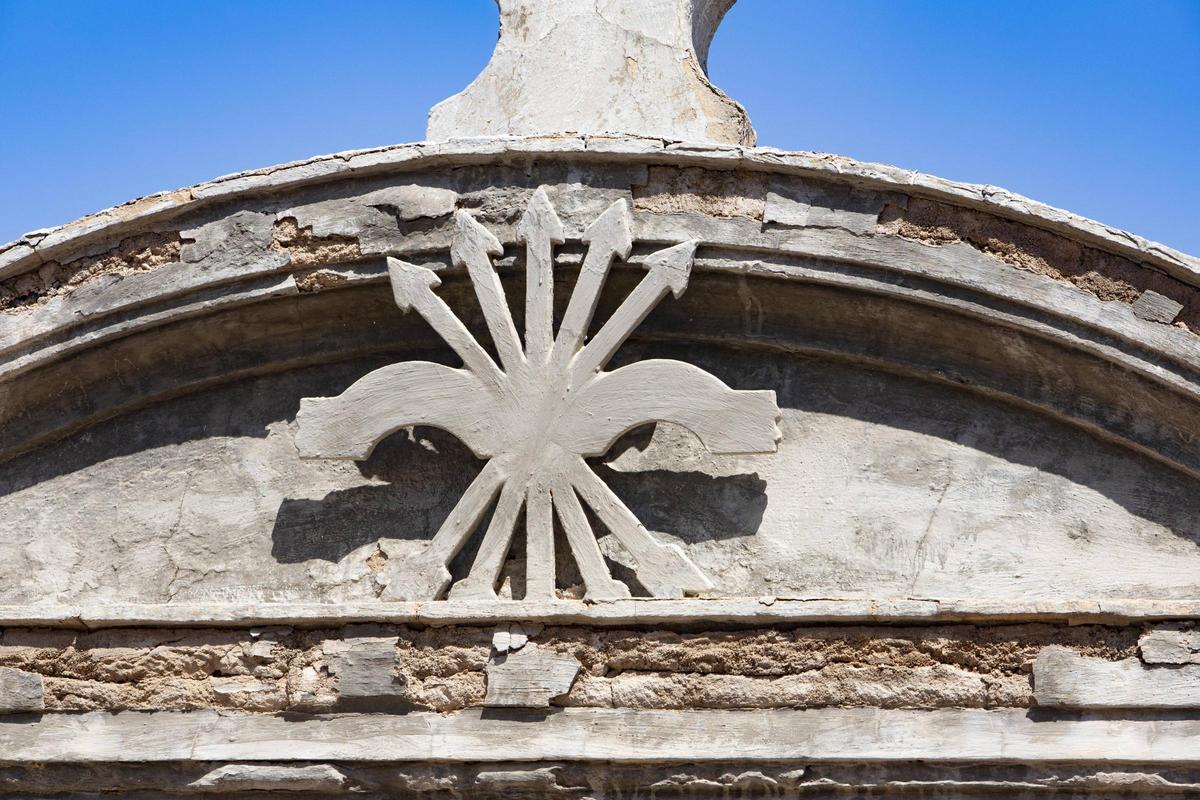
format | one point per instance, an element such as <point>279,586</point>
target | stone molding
<point>860,735</point>
<point>636,612</point>
<point>35,248</point>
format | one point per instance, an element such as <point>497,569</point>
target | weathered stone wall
<point>969,570</point>
<point>444,669</point>
<point>1050,460</point>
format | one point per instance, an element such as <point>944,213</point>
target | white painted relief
<point>540,412</point>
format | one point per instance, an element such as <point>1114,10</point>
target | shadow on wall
<point>417,486</point>
<point>422,473</point>
<point>1144,487</point>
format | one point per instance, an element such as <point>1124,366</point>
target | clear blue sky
<point>1091,106</point>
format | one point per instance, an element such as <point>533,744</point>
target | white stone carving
<point>540,412</point>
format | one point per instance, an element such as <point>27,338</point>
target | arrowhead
<point>612,228</point>
<point>409,281</point>
<point>471,238</point>
<point>673,265</point>
<point>540,220</point>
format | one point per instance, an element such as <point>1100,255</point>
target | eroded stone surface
<point>139,253</point>
<point>1106,276</point>
<point>272,777</point>
<point>365,667</point>
<point>1064,677</point>
<point>451,668</point>
<point>618,66</point>
<point>20,691</point>
<point>938,781</point>
<point>1170,647</point>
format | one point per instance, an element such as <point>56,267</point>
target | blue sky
<point>1091,106</point>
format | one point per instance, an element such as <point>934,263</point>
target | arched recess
<point>983,398</point>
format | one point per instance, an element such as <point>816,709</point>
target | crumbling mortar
<point>139,253</point>
<point>305,249</point>
<point>442,668</point>
<point>1104,275</point>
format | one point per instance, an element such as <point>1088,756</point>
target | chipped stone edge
<point>34,248</point>
<point>642,611</point>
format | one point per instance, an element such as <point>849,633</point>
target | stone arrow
<point>669,271</point>
<point>472,247</point>
<point>540,229</point>
<point>608,236</point>
<point>664,569</point>
<point>424,575</point>
<point>413,286</point>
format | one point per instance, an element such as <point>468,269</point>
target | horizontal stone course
<point>862,736</point>
<point>396,668</point>
<point>35,248</point>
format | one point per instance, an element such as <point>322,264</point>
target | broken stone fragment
<point>514,636</point>
<point>1065,678</point>
<point>364,667</point>
<point>1170,647</point>
<point>20,691</point>
<point>272,777</point>
<point>824,205</point>
<point>543,779</point>
<point>1155,307</point>
<point>528,678</point>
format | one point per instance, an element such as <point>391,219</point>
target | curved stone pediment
<point>986,407</point>
<point>597,465</point>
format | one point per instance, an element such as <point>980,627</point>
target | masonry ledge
<point>746,612</point>
<point>37,247</point>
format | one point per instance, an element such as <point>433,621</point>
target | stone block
<point>272,778</point>
<point>20,691</point>
<point>1155,307</point>
<point>1062,677</point>
<point>529,677</point>
<point>1170,647</point>
<point>364,667</point>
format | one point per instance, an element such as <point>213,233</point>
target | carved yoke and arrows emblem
<point>538,414</point>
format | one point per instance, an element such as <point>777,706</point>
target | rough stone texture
<point>139,253</point>
<point>1153,306</point>
<point>822,205</point>
<point>621,66</point>
<point>269,777</point>
<point>37,247</point>
<point>447,668</point>
<point>1106,276</point>
<point>1170,647</point>
<point>528,677</point>
<point>365,667</point>
<point>669,190</point>
<point>20,691</point>
<point>304,248</point>
<point>1064,677</point>
<point>836,735</point>
<point>586,780</point>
